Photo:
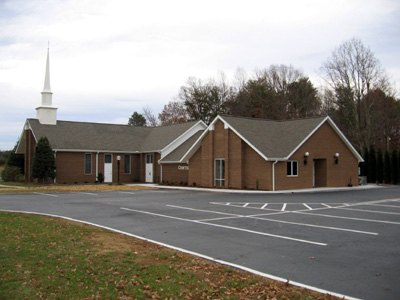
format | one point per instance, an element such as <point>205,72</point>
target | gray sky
<point>109,58</point>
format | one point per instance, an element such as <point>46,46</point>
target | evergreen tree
<point>44,163</point>
<point>387,172</point>
<point>372,165</point>
<point>16,160</point>
<point>395,167</point>
<point>364,165</point>
<point>379,167</point>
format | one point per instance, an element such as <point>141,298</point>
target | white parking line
<point>307,206</point>
<point>228,227</point>
<point>259,217</point>
<point>50,195</point>
<point>346,218</point>
<point>246,205</point>
<point>371,211</point>
<point>264,206</point>
<point>326,205</point>
<point>132,193</point>
<point>283,207</point>
<point>91,194</point>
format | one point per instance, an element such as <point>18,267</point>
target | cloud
<point>110,58</point>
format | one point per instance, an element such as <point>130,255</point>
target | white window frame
<point>130,163</point>
<point>292,163</point>
<point>91,164</point>
<point>219,180</point>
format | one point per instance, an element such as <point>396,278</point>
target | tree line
<point>357,95</point>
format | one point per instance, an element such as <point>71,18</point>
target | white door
<point>108,168</point>
<point>149,167</point>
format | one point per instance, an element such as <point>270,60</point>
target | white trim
<point>200,125</point>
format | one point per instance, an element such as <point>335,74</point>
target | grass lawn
<point>49,258</point>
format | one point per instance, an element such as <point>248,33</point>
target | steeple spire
<point>46,87</point>
<point>46,113</point>
<point>46,93</point>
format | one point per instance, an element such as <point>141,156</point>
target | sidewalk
<point>215,190</point>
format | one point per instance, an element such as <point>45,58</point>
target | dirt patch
<point>71,188</point>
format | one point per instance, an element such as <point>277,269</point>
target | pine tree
<point>364,165</point>
<point>372,165</point>
<point>395,167</point>
<point>44,164</point>
<point>379,167</point>
<point>387,172</point>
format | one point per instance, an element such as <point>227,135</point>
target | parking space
<point>344,242</point>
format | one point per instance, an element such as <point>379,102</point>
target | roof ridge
<point>271,120</point>
<point>127,125</point>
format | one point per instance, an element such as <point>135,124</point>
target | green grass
<point>48,258</point>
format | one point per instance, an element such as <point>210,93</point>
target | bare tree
<point>354,68</point>
<point>150,117</point>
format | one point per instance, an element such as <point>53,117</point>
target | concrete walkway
<point>215,190</point>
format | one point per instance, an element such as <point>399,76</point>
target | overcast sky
<point>109,58</point>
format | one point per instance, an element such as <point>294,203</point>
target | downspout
<point>160,173</point>
<point>97,166</point>
<point>55,158</point>
<point>273,176</point>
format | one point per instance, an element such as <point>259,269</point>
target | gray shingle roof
<point>84,136</point>
<point>274,139</point>
<point>177,154</point>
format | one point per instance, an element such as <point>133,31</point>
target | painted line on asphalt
<point>307,206</point>
<point>283,207</point>
<point>384,205</point>
<point>264,206</point>
<point>346,218</point>
<point>227,227</point>
<point>209,258</point>
<point>90,194</point>
<point>370,211</point>
<point>259,217</point>
<point>44,194</point>
<point>132,193</point>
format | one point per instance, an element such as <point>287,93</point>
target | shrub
<point>100,178</point>
<point>12,174</point>
<point>395,168</point>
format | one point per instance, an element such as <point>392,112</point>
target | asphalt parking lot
<point>346,242</point>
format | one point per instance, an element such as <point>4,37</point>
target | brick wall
<point>175,173</point>
<point>245,168</point>
<point>322,146</point>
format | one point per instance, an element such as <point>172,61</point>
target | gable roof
<point>84,136</point>
<point>273,140</point>
<point>176,155</point>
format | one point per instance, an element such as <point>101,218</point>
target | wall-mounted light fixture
<point>336,157</point>
<point>306,155</point>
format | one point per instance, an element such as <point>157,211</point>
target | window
<point>292,168</point>
<point>127,164</point>
<point>149,158</point>
<point>107,158</point>
<point>88,164</point>
<point>219,178</point>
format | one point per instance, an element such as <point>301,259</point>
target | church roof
<point>273,140</point>
<point>84,136</point>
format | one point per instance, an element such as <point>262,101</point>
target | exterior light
<point>336,157</point>
<point>118,161</point>
<point>306,155</point>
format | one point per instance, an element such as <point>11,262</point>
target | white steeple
<point>46,113</point>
